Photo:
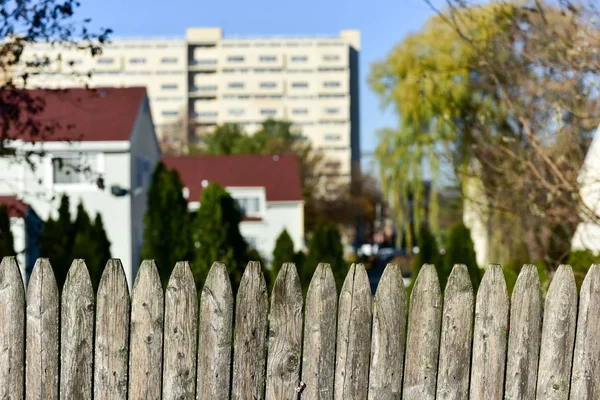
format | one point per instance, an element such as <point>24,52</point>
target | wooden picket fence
<point>169,345</point>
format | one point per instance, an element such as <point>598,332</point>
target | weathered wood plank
<point>490,336</point>
<point>558,336</point>
<point>77,334</point>
<point>250,335</point>
<point>285,335</point>
<point>180,335</point>
<point>353,336</point>
<point>389,330</point>
<point>42,360</point>
<point>585,378</point>
<point>318,358</point>
<point>524,336</point>
<point>12,330</point>
<point>112,333</point>
<point>457,335</point>
<point>146,336</point>
<point>216,332</point>
<point>422,344</point>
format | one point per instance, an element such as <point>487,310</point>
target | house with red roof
<point>98,146</point>
<point>266,187</point>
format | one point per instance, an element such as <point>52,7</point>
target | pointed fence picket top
<point>586,359</point>
<point>422,344</point>
<point>456,336</point>
<point>524,336</point>
<point>216,330</point>
<point>42,356</point>
<point>146,334</point>
<point>249,351</point>
<point>180,335</point>
<point>318,356</point>
<point>353,336</point>
<point>12,330</point>
<point>489,336</point>
<point>77,334</point>
<point>558,336</point>
<point>285,335</point>
<point>389,330</point>
<point>112,334</point>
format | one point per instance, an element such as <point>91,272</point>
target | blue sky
<point>382,23</point>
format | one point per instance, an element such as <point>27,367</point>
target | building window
<point>299,84</point>
<point>169,86</point>
<point>299,58</point>
<point>170,113</point>
<point>206,88</point>
<point>73,169</point>
<point>139,60</point>
<point>236,111</point>
<point>268,58</point>
<point>143,171</point>
<point>300,111</point>
<point>206,114</point>
<point>235,85</point>
<point>235,58</point>
<point>332,84</point>
<point>332,96</point>
<point>168,60</point>
<point>332,111</point>
<point>206,61</point>
<point>106,60</point>
<point>268,85</point>
<point>331,57</point>
<point>332,138</point>
<point>268,111</point>
<point>248,205</point>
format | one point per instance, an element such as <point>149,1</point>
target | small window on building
<point>206,88</point>
<point>169,86</point>
<point>299,58</point>
<point>248,205</point>
<point>300,111</point>
<point>73,169</point>
<point>332,111</point>
<point>168,60</point>
<point>235,58</point>
<point>236,111</point>
<point>332,137</point>
<point>299,84</point>
<point>106,60</point>
<point>332,84</point>
<point>236,85</point>
<point>331,57</point>
<point>268,85</point>
<point>268,111</point>
<point>206,114</point>
<point>268,58</point>
<point>206,61</point>
<point>137,60</point>
<point>169,113</point>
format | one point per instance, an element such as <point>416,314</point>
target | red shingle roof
<point>279,175</point>
<point>15,207</point>
<point>101,114</point>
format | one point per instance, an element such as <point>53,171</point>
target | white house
<point>98,147</point>
<point>267,188</point>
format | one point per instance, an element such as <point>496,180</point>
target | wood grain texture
<point>456,337</point>
<point>112,334</point>
<point>389,335</point>
<point>77,334</point>
<point>422,344</point>
<point>42,360</point>
<point>318,357</point>
<point>216,332</point>
<point>146,335</point>
<point>12,330</point>
<point>558,336</point>
<point>585,377</point>
<point>285,335</point>
<point>249,352</point>
<point>524,336</point>
<point>353,336</point>
<point>490,336</point>
<point>180,335</point>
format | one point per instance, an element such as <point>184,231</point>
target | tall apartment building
<point>206,79</point>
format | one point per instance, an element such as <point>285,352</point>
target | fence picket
<point>249,350</point>
<point>489,336</point>
<point>146,336</point>
<point>77,334</point>
<point>12,332</point>
<point>456,336</point>
<point>353,336</point>
<point>216,330</point>
<point>524,336</point>
<point>318,357</point>
<point>180,335</point>
<point>586,359</point>
<point>285,335</point>
<point>389,330</point>
<point>42,357</point>
<point>558,336</point>
<point>422,344</point>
